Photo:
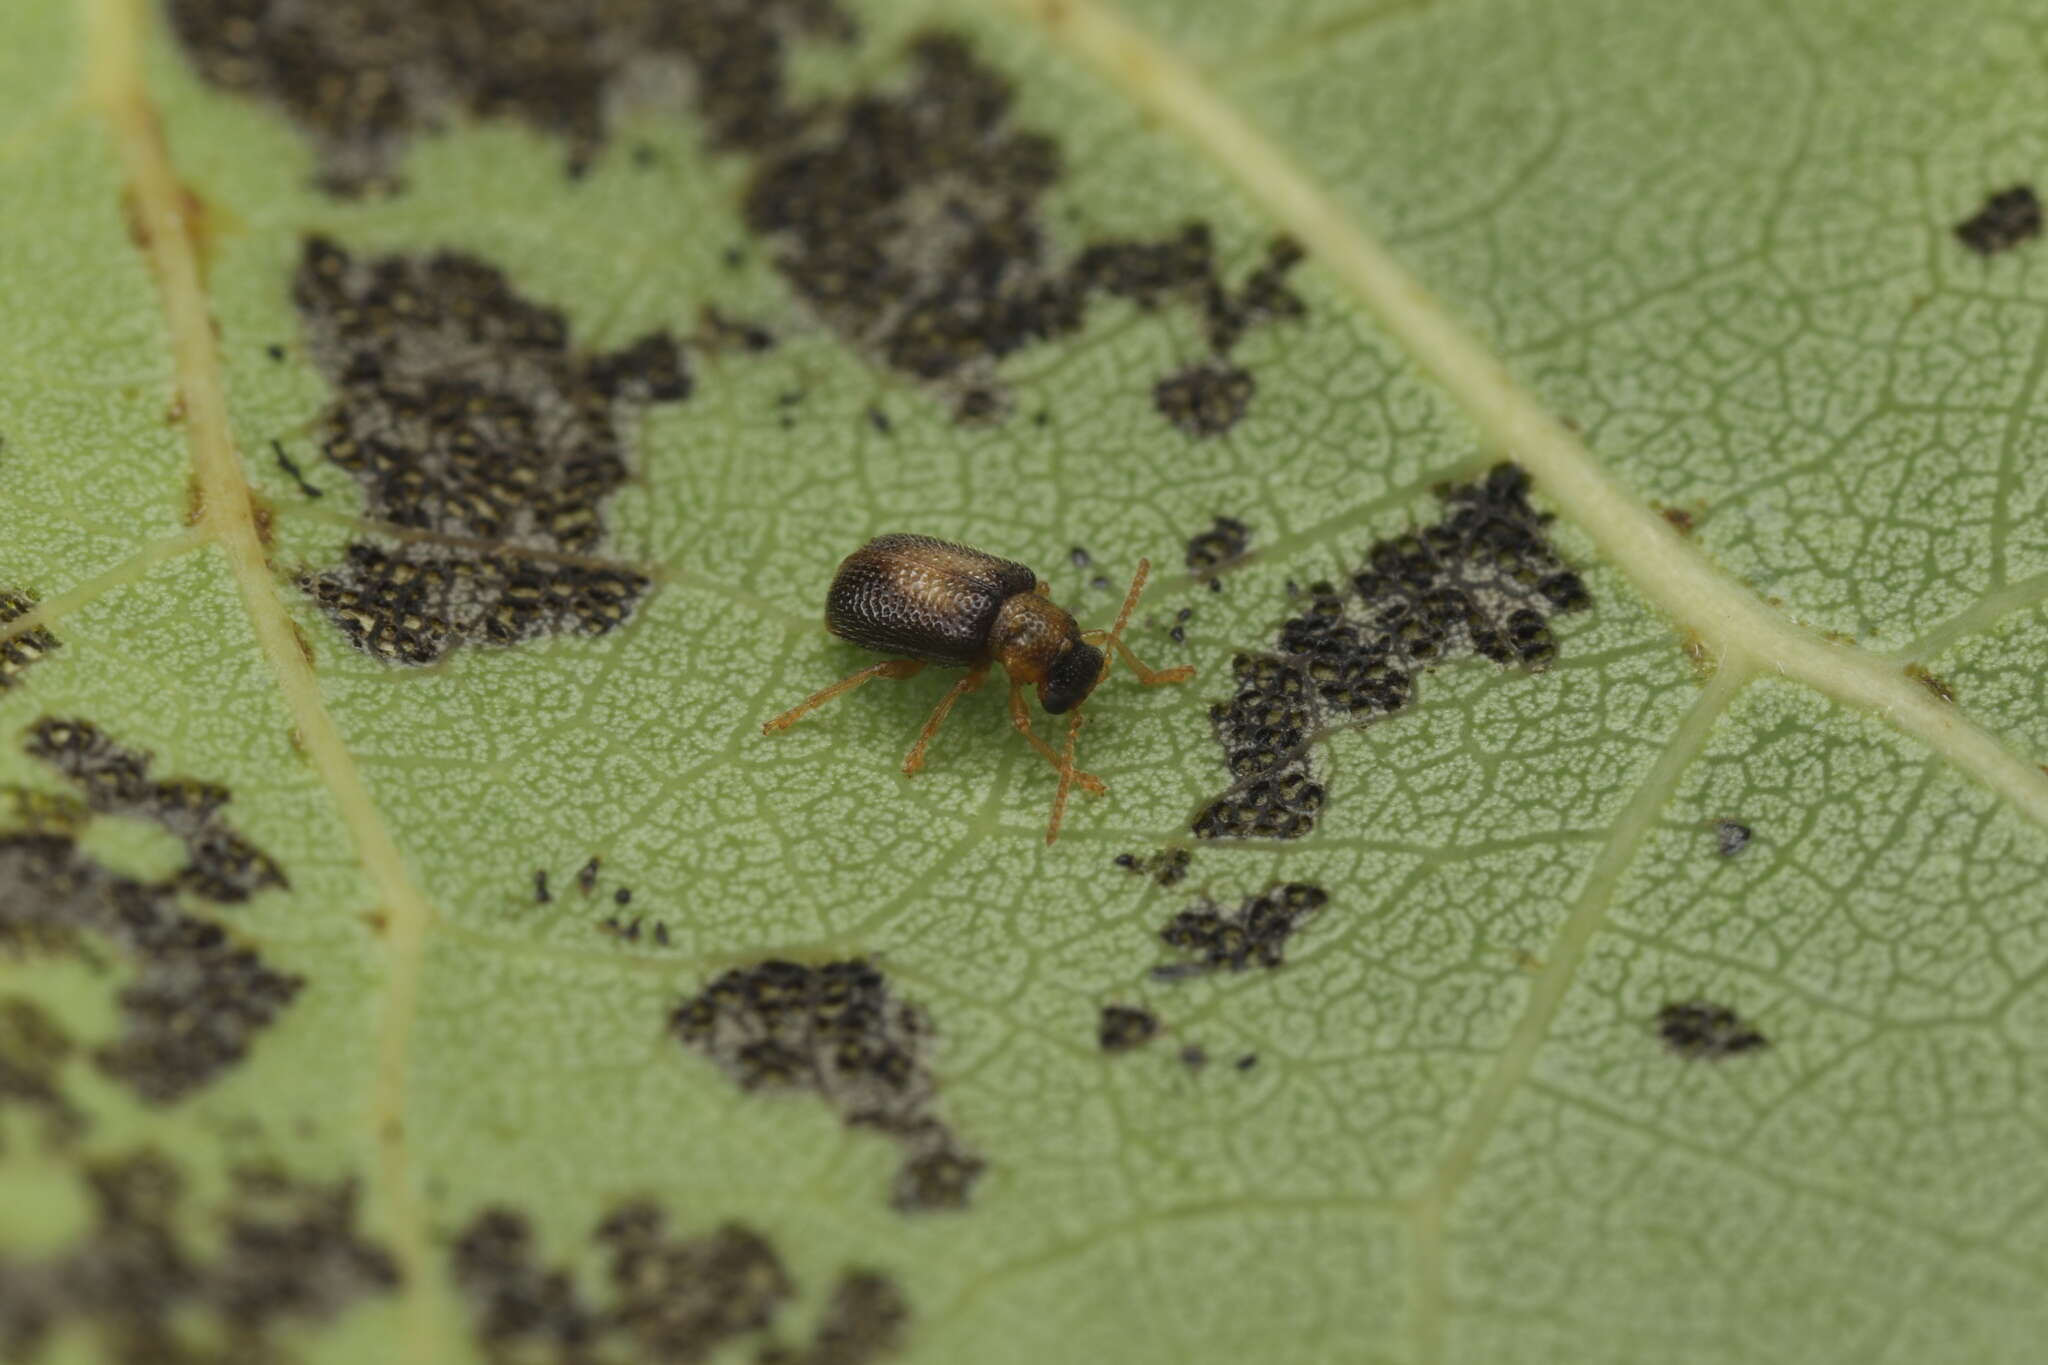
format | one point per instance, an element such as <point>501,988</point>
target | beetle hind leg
<point>898,669</point>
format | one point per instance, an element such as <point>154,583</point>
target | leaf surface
<point>1691,268</point>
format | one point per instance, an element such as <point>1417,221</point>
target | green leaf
<point>1673,992</point>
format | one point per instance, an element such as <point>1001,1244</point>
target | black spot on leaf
<point>913,222</point>
<point>1167,867</point>
<point>835,1031</point>
<point>468,422</point>
<point>1255,932</point>
<point>1223,546</point>
<point>2006,219</point>
<point>669,1299</point>
<point>283,1251</point>
<point>19,648</point>
<point>940,1176</point>
<point>1483,581</point>
<point>864,1321</point>
<point>1700,1030</point>
<point>197,998</point>
<point>718,334</point>
<point>220,865</point>
<point>1730,838</point>
<point>910,218</point>
<point>1123,1027</point>
<point>33,1047</point>
<point>1206,398</point>
<point>672,1298</point>
<point>363,77</point>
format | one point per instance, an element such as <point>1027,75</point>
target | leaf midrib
<point>227,519</point>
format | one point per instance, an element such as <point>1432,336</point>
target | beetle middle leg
<point>893,668</point>
<point>1021,718</point>
<point>915,760</point>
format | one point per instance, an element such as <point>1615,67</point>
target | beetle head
<point>1071,678</point>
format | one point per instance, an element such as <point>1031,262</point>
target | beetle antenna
<point>1059,800</point>
<point>1113,640</point>
<point>1123,618</point>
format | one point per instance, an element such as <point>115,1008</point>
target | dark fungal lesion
<point>718,334</point>
<point>671,1298</point>
<point>1483,581</point>
<point>33,1049</point>
<point>1206,398</point>
<point>20,647</point>
<point>1255,932</point>
<point>1730,837</point>
<point>866,1319</point>
<point>362,78</point>
<point>197,999</point>
<point>484,440</point>
<point>909,215</point>
<point>1218,549</point>
<point>1121,1028</point>
<point>220,864</point>
<point>2004,220</point>
<point>286,1251</point>
<point>839,1032</point>
<point>1167,867</point>
<point>912,221</point>
<point>1936,686</point>
<point>1701,1030</point>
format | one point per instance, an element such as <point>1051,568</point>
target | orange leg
<point>894,668</point>
<point>915,761</point>
<point>1114,637</point>
<point>1021,718</point>
<point>1059,800</point>
<point>1138,577</point>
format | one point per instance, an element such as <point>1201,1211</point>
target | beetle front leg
<point>1021,718</point>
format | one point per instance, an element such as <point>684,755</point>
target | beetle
<point>951,605</point>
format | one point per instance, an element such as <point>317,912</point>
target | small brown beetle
<point>957,607</point>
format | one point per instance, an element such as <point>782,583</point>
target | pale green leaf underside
<point>1714,237</point>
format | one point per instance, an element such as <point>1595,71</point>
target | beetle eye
<point>1070,679</point>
